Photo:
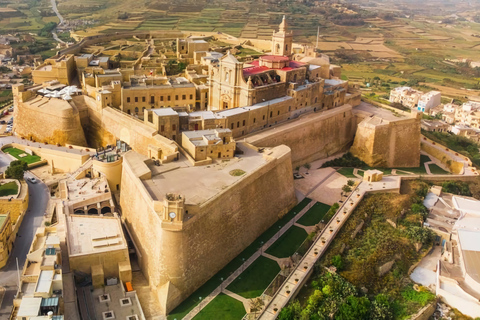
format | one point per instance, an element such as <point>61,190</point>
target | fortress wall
<point>454,166</point>
<point>177,262</point>
<point>138,135</point>
<point>382,143</point>
<point>59,127</point>
<point>312,136</point>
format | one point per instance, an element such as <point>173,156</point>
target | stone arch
<point>92,211</point>
<point>106,210</point>
<point>79,211</point>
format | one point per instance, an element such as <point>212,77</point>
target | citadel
<point>199,164</point>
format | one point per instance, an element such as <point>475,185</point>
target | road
<point>37,204</point>
<point>54,8</point>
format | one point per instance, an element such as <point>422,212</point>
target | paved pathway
<point>300,274</point>
<point>246,302</point>
<point>246,264</point>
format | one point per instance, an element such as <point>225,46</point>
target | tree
<point>350,183</point>
<point>346,189</point>
<point>337,262</point>
<point>354,308</point>
<point>381,308</point>
<point>16,169</point>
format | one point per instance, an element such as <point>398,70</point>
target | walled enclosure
<point>312,136</point>
<point>176,261</point>
<point>383,143</point>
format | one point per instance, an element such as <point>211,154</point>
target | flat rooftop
<point>198,184</point>
<point>379,112</point>
<point>470,244</point>
<point>165,112</point>
<point>92,234</point>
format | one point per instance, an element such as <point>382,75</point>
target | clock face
<point>172,215</point>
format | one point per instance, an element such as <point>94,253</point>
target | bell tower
<point>282,40</point>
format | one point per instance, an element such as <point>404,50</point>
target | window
<point>152,99</point>
<point>289,108</point>
<point>263,117</point>
<point>168,98</point>
<point>143,109</point>
<point>136,99</point>
<point>162,128</point>
<point>254,119</point>
<point>238,124</point>
<point>278,113</point>
<point>243,122</point>
<point>128,111</point>
<point>128,99</point>
<point>136,109</point>
<point>176,97</point>
<point>161,98</point>
<point>184,97</point>
<point>174,127</point>
<point>191,96</point>
<point>143,99</point>
<point>231,126</point>
<point>271,114</point>
<point>315,100</point>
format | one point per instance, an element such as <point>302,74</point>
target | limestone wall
<point>312,136</point>
<point>382,143</point>
<point>47,124</point>
<point>177,262</point>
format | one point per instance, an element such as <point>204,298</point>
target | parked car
<point>3,122</point>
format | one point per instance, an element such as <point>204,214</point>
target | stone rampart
<point>178,261</point>
<point>312,136</point>
<point>383,143</point>
<point>56,123</point>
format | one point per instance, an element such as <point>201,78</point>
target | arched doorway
<point>92,211</point>
<point>106,210</point>
<point>79,211</point>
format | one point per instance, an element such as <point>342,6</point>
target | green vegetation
<point>5,93</point>
<point>456,143</point>
<point>331,212</point>
<point>222,307</point>
<point>347,172</point>
<point>389,296</point>
<point>435,169</point>
<point>237,172</point>
<point>8,189</point>
<point>255,279</point>
<point>288,243</point>
<point>347,160</point>
<point>17,152</point>
<point>456,187</point>
<point>16,169</point>
<point>46,31</point>
<point>192,301</point>
<point>314,215</point>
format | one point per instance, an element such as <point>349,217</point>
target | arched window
<point>136,109</point>
<point>286,48</point>
<point>226,76</point>
<point>277,49</point>
<point>315,100</point>
<point>128,111</point>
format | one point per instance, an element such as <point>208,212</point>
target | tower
<point>282,40</point>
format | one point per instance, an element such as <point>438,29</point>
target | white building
<point>406,96</point>
<point>429,100</point>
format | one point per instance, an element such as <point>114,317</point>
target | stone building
<point>61,69</point>
<point>213,144</point>
<point>6,239</point>
<point>406,96</point>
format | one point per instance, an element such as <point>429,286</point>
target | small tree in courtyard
<point>350,183</point>
<point>307,166</point>
<point>16,169</point>
<point>346,189</point>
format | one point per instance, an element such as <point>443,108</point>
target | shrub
<point>16,169</point>
<point>347,160</point>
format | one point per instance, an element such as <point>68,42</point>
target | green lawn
<point>192,301</point>
<point>255,279</point>
<point>16,152</point>
<point>8,189</point>
<point>435,169</point>
<point>288,243</point>
<point>347,172</point>
<point>314,215</point>
<point>222,307</point>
